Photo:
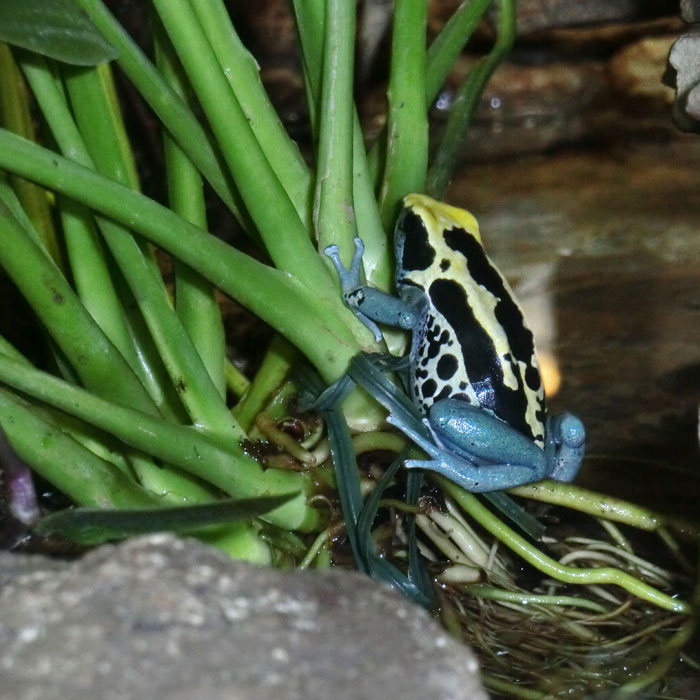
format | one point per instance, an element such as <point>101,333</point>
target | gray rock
<point>535,15</point>
<point>690,10</point>
<point>162,617</point>
<point>685,58</point>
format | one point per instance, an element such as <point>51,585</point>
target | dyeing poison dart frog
<point>472,367</point>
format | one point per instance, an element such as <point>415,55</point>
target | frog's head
<point>420,229</point>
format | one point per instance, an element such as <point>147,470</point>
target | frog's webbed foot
<point>477,478</point>
<point>566,442</point>
<point>349,277</point>
<point>351,285</point>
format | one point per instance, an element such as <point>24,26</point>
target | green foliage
<point>54,28</point>
<point>91,526</point>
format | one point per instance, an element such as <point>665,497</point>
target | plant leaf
<point>91,526</point>
<point>55,28</point>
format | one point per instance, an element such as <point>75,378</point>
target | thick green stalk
<point>243,74</point>
<point>334,216</point>
<point>227,467</point>
<point>91,276</point>
<point>286,239</point>
<point>449,43</point>
<point>97,362</point>
<point>466,102</point>
<point>10,199</point>
<point>309,16</point>
<point>236,382</point>
<point>195,301</point>
<point>550,567</point>
<point>15,115</point>
<point>407,120</point>
<point>440,59</point>
<point>101,296</point>
<point>74,470</point>
<point>377,260</point>
<point>303,316</point>
<point>278,360</point>
<point>92,356</point>
<point>103,446</point>
<point>100,126</point>
<point>171,110</point>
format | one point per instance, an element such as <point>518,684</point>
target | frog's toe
<point>569,440</point>
<point>571,430</point>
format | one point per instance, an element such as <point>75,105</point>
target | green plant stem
<point>334,216</point>
<point>377,259</point>
<point>600,505</point>
<point>10,199</point>
<point>243,74</point>
<point>16,116</point>
<point>171,110</point>
<point>521,598</point>
<point>95,109</point>
<point>449,44</point>
<point>227,467</point>
<point>88,265</point>
<point>549,566</point>
<point>236,382</point>
<point>195,301</point>
<point>316,546</point>
<point>322,334</point>
<point>278,360</point>
<point>286,239</point>
<point>407,121</point>
<point>441,56</point>
<point>89,480</point>
<point>466,102</point>
<point>309,17</point>
<point>102,369</point>
<point>105,300</point>
<point>98,443</point>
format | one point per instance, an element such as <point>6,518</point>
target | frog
<point>472,368</point>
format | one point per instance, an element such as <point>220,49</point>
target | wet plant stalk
<point>170,109</point>
<point>406,158</point>
<point>321,333</point>
<point>549,566</point>
<point>466,102</point>
<point>195,300</point>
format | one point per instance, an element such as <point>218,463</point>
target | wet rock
<point>529,108</point>
<point>534,15</point>
<point>600,40</point>
<point>160,617</point>
<point>690,10</point>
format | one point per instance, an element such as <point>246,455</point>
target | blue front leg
<point>370,304</point>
